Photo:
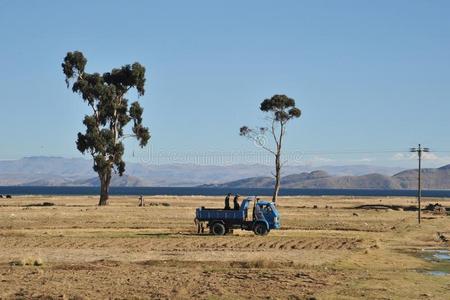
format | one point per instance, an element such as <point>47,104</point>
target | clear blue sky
<point>368,75</point>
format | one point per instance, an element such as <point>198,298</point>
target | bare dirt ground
<point>76,250</point>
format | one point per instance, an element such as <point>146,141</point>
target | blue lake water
<point>438,273</point>
<point>443,255</point>
<point>187,191</point>
<point>440,260</point>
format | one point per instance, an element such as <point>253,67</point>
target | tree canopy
<point>282,107</point>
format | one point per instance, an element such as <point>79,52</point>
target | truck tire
<point>218,229</point>
<point>260,229</point>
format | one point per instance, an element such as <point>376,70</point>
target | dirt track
<point>124,251</point>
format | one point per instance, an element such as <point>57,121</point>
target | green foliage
<point>244,130</point>
<point>105,94</point>
<point>73,61</point>
<point>282,107</point>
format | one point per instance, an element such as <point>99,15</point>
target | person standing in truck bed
<point>227,201</point>
<point>236,205</point>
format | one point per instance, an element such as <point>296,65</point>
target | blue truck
<point>265,217</point>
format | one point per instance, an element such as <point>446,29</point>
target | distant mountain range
<point>59,171</point>
<point>431,179</point>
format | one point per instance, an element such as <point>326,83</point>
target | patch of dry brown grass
<point>28,261</point>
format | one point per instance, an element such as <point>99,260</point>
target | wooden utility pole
<point>419,150</point>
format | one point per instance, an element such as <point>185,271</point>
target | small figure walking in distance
<point>141,201</point>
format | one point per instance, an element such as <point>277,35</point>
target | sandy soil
<point>76,250</point>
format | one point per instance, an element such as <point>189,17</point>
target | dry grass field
<point>76,250</point>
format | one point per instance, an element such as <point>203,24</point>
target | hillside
<point>432,179</point>
<point>58,171</point>
<point>125,180</point>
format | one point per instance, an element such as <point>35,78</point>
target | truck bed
<point>208,214</point>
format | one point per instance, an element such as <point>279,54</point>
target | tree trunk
<point>279,143</point>
<point>105,180</point>
<point>277,177</point>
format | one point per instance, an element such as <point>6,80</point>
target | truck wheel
<point>260,229</point>
<point>218,229</point>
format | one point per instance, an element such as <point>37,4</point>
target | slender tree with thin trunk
<point>105,94</point>
<point>280,110</point>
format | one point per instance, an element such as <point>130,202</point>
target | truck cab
<point>267,213</point>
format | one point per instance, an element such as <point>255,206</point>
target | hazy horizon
<point>217,161</point>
